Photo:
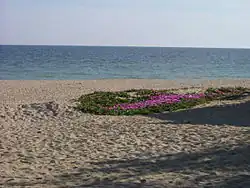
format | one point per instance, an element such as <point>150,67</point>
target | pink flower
<point>157,100</point>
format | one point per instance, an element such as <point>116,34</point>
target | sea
<point>19,62</point>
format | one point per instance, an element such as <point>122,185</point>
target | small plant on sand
<point>224,92</point>
<point>145,101</point>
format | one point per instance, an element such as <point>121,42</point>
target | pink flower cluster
<point>157,100</point>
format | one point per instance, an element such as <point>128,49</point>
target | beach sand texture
<point>44,142</point>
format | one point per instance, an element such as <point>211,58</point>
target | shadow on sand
<point>233,114</point>
<point>225,166</point>
<point>217,167</point>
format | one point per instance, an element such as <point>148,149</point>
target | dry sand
<point>45,143</point>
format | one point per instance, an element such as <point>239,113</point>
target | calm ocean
<point>76,63</point>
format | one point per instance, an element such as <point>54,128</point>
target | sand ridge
<point>24,91</point>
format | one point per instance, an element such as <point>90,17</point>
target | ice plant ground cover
<point>145,101</point>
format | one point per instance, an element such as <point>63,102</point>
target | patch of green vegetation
<point>226,93</point>
<point>102,103</point>
<point>98,102</point>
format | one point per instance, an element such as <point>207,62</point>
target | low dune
<point>44,142</point>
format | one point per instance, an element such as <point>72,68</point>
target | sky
<point>171,23</point>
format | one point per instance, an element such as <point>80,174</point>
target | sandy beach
<point>44,142</point>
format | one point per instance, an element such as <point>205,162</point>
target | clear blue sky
<point>197,23</point>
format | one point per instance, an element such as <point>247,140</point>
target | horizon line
<point>136,46</point>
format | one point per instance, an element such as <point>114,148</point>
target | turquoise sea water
<point>82,62</point>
